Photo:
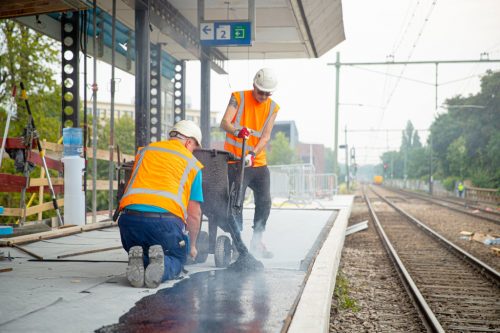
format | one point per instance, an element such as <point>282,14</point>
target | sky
<point>374,98</point>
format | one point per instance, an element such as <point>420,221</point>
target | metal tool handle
<point>240,195</point>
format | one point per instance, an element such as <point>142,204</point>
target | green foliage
<point>29,57</point>
<point>481,178</point>
<point>456,156</point>
<point>449,182</point>
<point>281,152</point>
<point>466,139</point>
<point>345,302</point>
<point>124,134</point>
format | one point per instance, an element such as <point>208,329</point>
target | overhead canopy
<point>15,8</point>
<point>283,28</point>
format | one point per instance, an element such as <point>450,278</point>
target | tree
<point>29,57</point>
<point>476,121</point>
<point>124,130</point>
<point>456,157</point>
<point>407,136</point>
<point>281,152</point>
<point>416,140</point>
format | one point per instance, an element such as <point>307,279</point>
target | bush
<point>481,178</point>
<point>449,183</point>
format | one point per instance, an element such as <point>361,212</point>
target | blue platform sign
<point>227,33</point>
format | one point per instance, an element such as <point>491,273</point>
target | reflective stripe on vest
<point>177,197</point>
<point>237,125</point>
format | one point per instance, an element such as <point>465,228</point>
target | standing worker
<point>251,114</point>
<point>460,189</point>
<point>162,200</point>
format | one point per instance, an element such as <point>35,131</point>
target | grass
<point>344,301</point>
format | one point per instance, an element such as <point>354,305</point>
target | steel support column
<point>70,33</point>
<point>180,91</point>
<point>205,84</point>
<point>142,106</point>
<point>155,94</point>
<point>205,99</point>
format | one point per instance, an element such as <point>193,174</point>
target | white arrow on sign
<point>207,31</point>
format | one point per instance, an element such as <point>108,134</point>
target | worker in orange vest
<point>160,207</point>
<point>251,114</point>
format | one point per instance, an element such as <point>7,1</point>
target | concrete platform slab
<point>87,292</point>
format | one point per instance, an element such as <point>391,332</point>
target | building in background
<point>289,129</point>
<point>314,154</point>
<point>128,110</point>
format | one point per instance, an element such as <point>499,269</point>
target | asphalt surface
<point>217,301</point>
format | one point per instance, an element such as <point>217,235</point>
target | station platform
<point>89,292</point>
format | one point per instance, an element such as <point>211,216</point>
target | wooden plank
<point>15,183</point>
<point>32,210</point>
<point>43,207</point>
<point>51,163</point>
<point>8,269</point>
<point>35,182</point>
<point>15,143</point>
<point>52,146</point>
<point>55,233</point>
<point>89,252</point>
<point>101,185</point>
<point>102,154</point>
<point>34,255</point>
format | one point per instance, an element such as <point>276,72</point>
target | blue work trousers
<point>148,231</point>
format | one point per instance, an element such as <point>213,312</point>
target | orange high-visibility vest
<point>162,176</point>
<point>253,115</point>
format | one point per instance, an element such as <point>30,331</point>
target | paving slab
<point>89,292</point>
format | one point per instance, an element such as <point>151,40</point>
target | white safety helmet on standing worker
<point>266,80</point>
<point>187,128</point>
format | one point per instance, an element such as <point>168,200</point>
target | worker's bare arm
<point>231,110</point>
<point>193,224</point>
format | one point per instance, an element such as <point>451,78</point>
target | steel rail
<point>435,200</point>
<point>482,267</point>
<point>428,317</point>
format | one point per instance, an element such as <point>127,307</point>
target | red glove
<point>250,159</point>
<point>243,133</point>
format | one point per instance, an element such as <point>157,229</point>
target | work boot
<point>258,248</point>
<point>156,267</point>
<point>135,268</point>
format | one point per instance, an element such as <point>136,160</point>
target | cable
<point>415,43</point>
<point>393,75</point>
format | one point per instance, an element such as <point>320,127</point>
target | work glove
<point>243,133</point>
<point>249,159</point>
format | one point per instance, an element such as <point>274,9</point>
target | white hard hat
<point>187,128</point>
<point>266,80</point>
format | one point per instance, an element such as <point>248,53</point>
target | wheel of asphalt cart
<point>202,247</point>
<point>223,249</point>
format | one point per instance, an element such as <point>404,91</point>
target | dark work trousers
<point>259,180</point>
<point>148,231</point>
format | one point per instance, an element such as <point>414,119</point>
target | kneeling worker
<point>162,201</point>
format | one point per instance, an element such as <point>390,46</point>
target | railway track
<point>461,206</point>
<point>451,223</point>
<point>453,291</point>
<point>381,301</point>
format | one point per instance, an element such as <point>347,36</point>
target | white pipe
<point>74,198</point>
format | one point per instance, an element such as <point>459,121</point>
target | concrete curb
<point>313,309</point>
